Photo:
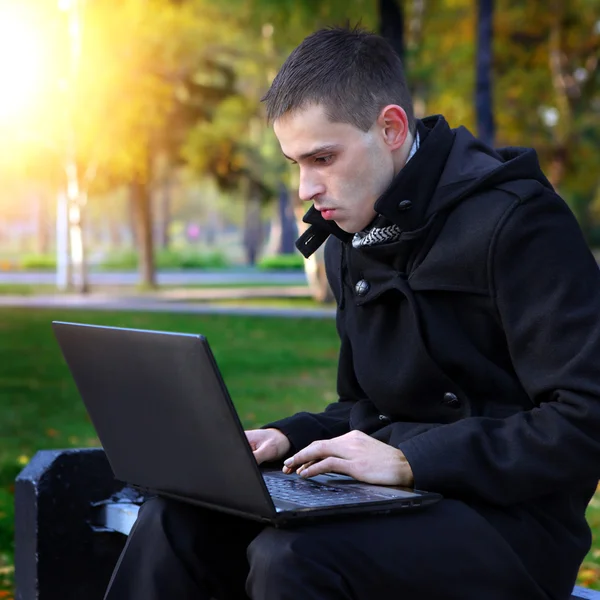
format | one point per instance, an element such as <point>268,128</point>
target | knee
<point>163,513</point>
<point>272,549</point>
<point>155,509</point>
<point>277,559</point>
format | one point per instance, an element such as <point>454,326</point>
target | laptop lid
<point>163,414</point>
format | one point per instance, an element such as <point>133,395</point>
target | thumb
<point>260,452</point>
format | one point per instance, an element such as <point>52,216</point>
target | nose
<point>309,187</point>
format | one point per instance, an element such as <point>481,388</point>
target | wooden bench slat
<point>119,516</point>
<point>581,593</point>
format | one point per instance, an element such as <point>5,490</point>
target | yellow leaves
<point>459,4</point>
<point>589,576</point>
<point>23,460</point>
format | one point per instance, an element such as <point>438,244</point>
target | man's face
<point>343,170</point>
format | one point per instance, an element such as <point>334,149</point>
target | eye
<point>324,160</point>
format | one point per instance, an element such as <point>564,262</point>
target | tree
<point>548,83</point>
<point>392,25</point>
<point>483,84</point>
<point>143,90</point>
<point>284,24</point>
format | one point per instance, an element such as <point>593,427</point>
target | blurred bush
<point>281,262</point>
<point>37,262</point>
<point>186,259</point>
<point>165,259</point>
<point>593,237</point>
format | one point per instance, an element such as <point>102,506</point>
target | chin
<point>351,228</point>
<point>347,228</point>
<point>344,225</point>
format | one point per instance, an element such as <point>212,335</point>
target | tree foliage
<point>182,81</point>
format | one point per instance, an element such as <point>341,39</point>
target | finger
<point>333,464</point>
<point>315,451</point>
<point>305,466</point>
<point>289,470</point>
<point>261,453</point>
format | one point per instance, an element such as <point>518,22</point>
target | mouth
<point>327,213</point>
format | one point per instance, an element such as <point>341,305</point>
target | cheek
<point>371,181</point>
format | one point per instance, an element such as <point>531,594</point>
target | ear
<point>393,124</point>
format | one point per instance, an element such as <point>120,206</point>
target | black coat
<point>473,344</point>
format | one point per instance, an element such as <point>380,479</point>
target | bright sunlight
<point>21,62</point>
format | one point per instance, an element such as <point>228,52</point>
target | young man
<point>469,319</point>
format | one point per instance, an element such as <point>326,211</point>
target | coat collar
<point>406,200</point>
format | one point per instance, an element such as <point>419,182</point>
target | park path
<point>178,300</point>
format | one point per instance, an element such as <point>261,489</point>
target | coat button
<point>362,287</point>
<point>451,400</point>
<point>405,205</point>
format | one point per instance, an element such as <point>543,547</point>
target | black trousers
<point>445,552</point>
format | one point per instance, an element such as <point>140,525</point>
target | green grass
<point>25,289</point>
<point>266,302</point>
<point>294,262</point>
<point>272,367</point>
<point>589,574</point>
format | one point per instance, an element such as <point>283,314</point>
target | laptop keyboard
<point>310,493</point>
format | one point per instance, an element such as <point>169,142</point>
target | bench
<point>71,523</point>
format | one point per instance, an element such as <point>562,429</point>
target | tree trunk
<point>41,225</point>
<point>563,131</point>
<point>164,207</point>
<point>78,246</point>
<point>253,233</point>
<point>213,227</point>
<point>113,237</point>
<point>142,220</point>
<point>314,267</point>
<point>557,168</point>
<point>483,86</point>
<point>413,41</point>
<point>283,227</point>
<point>132,221</point>
<point>391,24</point>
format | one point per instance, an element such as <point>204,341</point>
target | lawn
<point>272,367</point>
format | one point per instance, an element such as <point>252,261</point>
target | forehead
<point>302,130</point>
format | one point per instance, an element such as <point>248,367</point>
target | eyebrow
<point>318,150</point>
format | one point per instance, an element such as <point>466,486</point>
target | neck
<point>401,156</point>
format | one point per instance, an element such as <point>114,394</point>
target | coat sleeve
<point>546,285</point>
<point>304,428</point>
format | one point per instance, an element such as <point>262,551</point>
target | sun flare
<point>21,60</point>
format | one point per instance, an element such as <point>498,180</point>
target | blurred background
<point>136,163</point>
<point>132,134</point>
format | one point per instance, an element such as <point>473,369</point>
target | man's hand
<point>356,454</point>
<point>268,444</point>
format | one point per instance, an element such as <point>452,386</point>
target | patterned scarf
<point>380,231</point>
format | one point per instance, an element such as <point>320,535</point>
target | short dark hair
<point>353,73</point>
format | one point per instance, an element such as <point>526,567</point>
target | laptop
<point>168,426</point>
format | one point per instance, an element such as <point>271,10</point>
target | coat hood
<point>450,165</point>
